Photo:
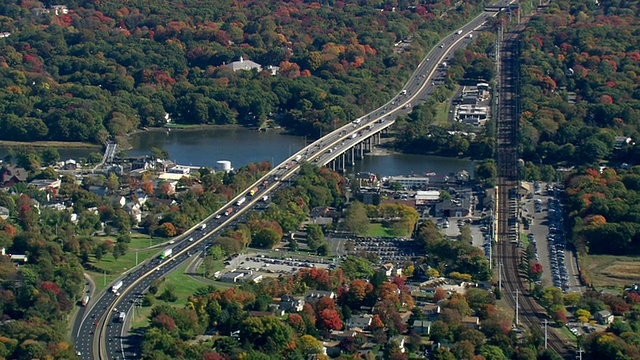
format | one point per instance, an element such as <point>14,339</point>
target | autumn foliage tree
<point>329,319</point>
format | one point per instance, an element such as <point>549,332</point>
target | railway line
<point>514,290</point>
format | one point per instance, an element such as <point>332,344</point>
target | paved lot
<point>393,250</point>
<point>552,252</point>
<point>270,266</point>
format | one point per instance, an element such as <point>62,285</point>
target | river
<point>204,147</point>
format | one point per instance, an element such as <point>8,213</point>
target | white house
<point>359,321</point>
<point>243,64</point>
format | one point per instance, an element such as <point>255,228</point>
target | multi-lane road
<point>99,335</point>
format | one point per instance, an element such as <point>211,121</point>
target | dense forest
<point>109,67</point>
<point>580,85</point>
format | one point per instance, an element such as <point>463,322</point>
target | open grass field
<point>442,113</point>
<point>115,268</point>
<point>378,230</point>
<point>612,272</point>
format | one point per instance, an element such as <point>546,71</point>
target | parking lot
<point>387,250</point>
<point>270,266</point>
<point>546,232</point>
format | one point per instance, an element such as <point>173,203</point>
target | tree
<point>310,345</point>
<point>120,249</point>
<point>265,238</point>
<point>356,219</point>
<point>491,352</point>
<point>315,237</point>
<point>112,182</point>
<point>267,333</point>
<point>329,319</point>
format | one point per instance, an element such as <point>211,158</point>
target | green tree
<point>112,182</point>
<point>119,249</point>
<point>315,237</point>
<point>265,238</point>
<point>356,219</point>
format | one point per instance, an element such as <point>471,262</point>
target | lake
<point>204,147</point>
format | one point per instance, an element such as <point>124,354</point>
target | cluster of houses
<point>358,324</point>
<point>131,201</point>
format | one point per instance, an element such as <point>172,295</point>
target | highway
<point>99,336</point>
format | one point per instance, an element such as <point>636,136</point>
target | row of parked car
<point>557,241</point>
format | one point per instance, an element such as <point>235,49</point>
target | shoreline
<point>56,144</point>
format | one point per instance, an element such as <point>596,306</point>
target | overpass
<point>96,334</point>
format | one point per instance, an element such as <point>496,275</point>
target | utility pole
<point>500,275</point>
<point>517,322</point>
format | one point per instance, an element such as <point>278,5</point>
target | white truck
<point>166,253</point>
<point>203,226</point>
<point>404,92</point>
<point>297,158</point>
<point>241,201</point>
<point>116,287</point>
<point>459,32</point>
<point>122,316</point>
<point>265,198</point>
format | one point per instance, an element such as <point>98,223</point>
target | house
<point>459,207</point>
<point>399,340</point>
<point>98,190</point>
<point>621,141</point>
<point>471,322</point>
<point>255,278</point>
<point>311,296</point>
<point>359,321</point>
<point>246,65</point>
<point>60,9</point>
<point>70,165</point>
<point>46,184</point>
<point>134,210</point>
<point>604,317</point>
<point>14,257</point>
<point>11,175</point>
<point>4,213</point>
<point>422,327</point>
<point>410,182</point>
<point>291,304</point>
<point>387,269</point>
<point>340,334</point>
<point>232,277</point>
<point>4,34</point>
<point>331,348</point>
<point>425,197</point>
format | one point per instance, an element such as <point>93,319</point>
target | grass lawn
<point>379,230</point>
<point>138,241</point>
<point>114,268</point>
<point>184,286</point>
<point>442,113</point>
<point>611,272</point>
<point>567,333</point>
<point>142,241</point>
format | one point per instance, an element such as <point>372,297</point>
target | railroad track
<point>508,113</point>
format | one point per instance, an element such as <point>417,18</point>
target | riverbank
<point>55,144</point>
